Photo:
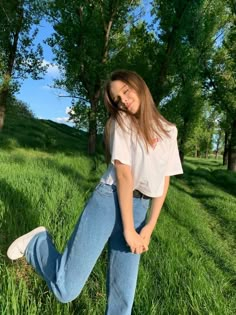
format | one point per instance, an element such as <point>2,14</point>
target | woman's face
<point>125,96</point>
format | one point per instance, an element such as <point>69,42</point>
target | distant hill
<point>22,129</point>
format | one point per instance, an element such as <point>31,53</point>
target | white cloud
<point>52,70</point>
<point>64,120</point>
<point>45,87</point>
<point>61,119</point>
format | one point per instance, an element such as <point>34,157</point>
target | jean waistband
<point>138,194</point>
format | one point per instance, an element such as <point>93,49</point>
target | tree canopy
<point>19,58</point>
<point>184,50</point>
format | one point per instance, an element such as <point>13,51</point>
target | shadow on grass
<point>207,248</point>
<point>226,225</point>
<point>84,184</point>
<point>204,162</point>
<point>18,217</point>
<point>195,180</point>
<point>222,179</point>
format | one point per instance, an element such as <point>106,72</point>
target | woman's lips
<point>129,105</point>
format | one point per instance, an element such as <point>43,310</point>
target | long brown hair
<point>147,122</point>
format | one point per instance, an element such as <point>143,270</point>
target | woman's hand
<point>135,241</point>
<point>145,234</point>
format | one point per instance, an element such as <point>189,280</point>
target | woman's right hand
<point>135,241</point>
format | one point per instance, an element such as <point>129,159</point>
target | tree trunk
<point>218,145</point>
<point>92,132</point>
<point>92,141</point>
<point>3,103</point>
<point>207,151</point>
<point>226,149</point>
<point>198,153</point>
<point>2,117</point>
<point>93,126</point>
<point>232,149</point>
<point>9,69</point>
<point>181,155</point>
<point>181,150</point>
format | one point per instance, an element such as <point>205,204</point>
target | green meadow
<point>46,177</point>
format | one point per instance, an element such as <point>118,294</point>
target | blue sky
<point>42,99</point>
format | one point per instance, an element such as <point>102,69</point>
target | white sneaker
<point>17,248</point>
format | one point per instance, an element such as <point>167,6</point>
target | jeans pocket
<point>105,189</point>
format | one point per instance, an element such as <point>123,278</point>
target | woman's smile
<point>125,96</point>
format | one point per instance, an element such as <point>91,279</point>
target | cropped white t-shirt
<point>148,168</point>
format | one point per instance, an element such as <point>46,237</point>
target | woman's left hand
<point>146,233</point>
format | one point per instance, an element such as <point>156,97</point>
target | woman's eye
<point>126,91</point>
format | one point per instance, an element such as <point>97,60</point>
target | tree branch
<point>77,97</point>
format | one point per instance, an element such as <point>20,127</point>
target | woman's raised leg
<point>67,273</point>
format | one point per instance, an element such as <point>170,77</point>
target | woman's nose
<point>124,99</point>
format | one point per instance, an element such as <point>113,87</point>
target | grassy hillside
<point>46,178</point>
<point>29,132</point>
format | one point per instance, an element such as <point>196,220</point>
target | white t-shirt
<point>148,168</point>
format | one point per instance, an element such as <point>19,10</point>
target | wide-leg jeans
<point>99,223</point>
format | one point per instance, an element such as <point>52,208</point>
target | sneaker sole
<point>13,251</point>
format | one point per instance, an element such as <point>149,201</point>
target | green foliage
<point>79,114</point>
<point>186,34</point>
<point>82,45</point>
<point>220,84</point>
<point>18,108</point>
<point>206,129</point>
<point>19,57</point>
<point>81,41</point>
<point>186,54</point>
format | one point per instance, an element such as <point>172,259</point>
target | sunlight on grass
<point>191,264</point>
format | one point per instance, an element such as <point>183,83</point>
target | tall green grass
<point>38,188</point>
<point>190,267</point>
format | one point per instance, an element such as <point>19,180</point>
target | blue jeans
<point>99,223</point>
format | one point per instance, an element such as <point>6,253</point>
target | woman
<point>142,148</point>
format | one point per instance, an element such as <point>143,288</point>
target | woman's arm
<point>125,196</point>
<point>156,206</point>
